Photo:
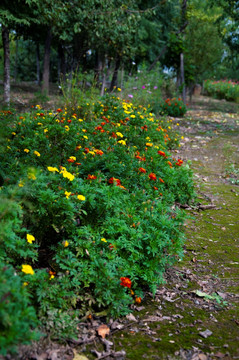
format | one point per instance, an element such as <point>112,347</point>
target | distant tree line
<point>45,40</point>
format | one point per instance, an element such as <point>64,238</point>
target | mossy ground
<point>211,261</point>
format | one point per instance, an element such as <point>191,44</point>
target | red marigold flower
<point>86,150</point>
<point>41,114</point>
<point>142,170</point>
<point>77,163</point>
<point>179,162</point>
<point>114,135</point>
<point>113,180</point>
<point>126,282</point>
<point>91,177</point>
<point>103,123</point>
<point>59,110</point>
<point>155,188</point>
<point>162,153</point>
<point>70,160</point>
<point>99,152</point>
<point>69,121</point>
<point>152,176</point>
<point>98,127</point>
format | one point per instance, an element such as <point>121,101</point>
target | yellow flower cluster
<point>27,269</point>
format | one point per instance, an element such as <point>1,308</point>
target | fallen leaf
<point>202,357</point>
<point>205,334</point>
<point>219,355</point>
<point>131,317</point>
<point>79,356</point>
<point>103,330</point>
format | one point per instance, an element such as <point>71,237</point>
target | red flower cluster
<point>179,162</point>
<point>145,127</point>
<point>126,282</point>
<point>70,160</point>
<point>152,176</point>
<point>141,158</point>
<point>142,170</point>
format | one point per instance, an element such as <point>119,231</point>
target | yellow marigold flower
<point>21,183</point>
<point>127,112</point>
<point>86,137</point>
<point>27,269</point>
<point>182,137</point>
<point>149,144</point>
<point>122,142</point>
<point>133,116</point>
<point>45,130</point>
<point>84,130</point>
<point>26,150</point>
<point>67,193</point>
<point>118,89</point>
<point>39,123</point>
<point>51,277</point>
<point>38,106</point>
<point>13,133</point>
<point>30,238</point>
<point>67,175</point>
<point>82,119</point>
<point>73,158</point>
<point>81,197</point>
<point>25,283</point>
<point>119,134</point>
<point>65,243</point>
<point>91,152</point>
<point>103,239</point>
<point>52,169</point>
<point>37,153</point>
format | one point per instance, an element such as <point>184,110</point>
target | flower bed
<point>89,221</point>
<point>222,89</point>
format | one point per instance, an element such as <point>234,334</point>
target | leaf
<point>103,330</point>
<point>79,356</point>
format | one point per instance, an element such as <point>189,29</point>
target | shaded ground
<point>195,314</point>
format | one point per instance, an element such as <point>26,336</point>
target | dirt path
<point>195,315</point>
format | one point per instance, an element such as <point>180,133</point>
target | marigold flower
<point>65,243</point>
<point>138,300</point>
<point>161,180</point>
<point>26,150</point>
<point>152,176</point>
<point>67,175</point>
<point>52,169</point>
<point>30,238</point>
<point>81,197</point>
<point>103,239</point>
<point>58,110</point>
<point>99,152</point>
<point>37,153</point>
<point>119,134</point>
<point>162,153</point>
<point>70,160</point>
<point>122,142</point>
<point>86,150</point>
<point>91,177</point>
<point>179,162</point>
<point>67,193</point>
<point>126,282</point>
<point>113,180</point>
<point>142,170</point>
<point>27,269</point>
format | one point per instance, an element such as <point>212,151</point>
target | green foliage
<point>172,107</point>
<point>17,316</point>
<point>95,188</point>
<point>222,89</point>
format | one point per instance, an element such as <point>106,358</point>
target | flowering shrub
<point>172,107</point>
<point>93,222</point>
<point>222,89</point>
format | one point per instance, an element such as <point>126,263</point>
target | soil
<point>195,314</point>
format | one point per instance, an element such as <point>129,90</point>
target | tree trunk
<point>61,64</point>
<point>115,74</point>
<point>103,78</point>
<point>38,73</point>
<point>6,49</point>
<point>46,63</point>
<point>182,78</point>
<point>16,62</point>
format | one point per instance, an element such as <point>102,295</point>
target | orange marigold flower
<point>142,170</point>
<point>170,164</point>
<point>86,150</point>
<point>179,162</point>
<point>59,110</point>
<point>152,176</point>
<point>138,299</point>
<point>161,180</point>
<point>99,152</point>
<point>162,153</point>
<point>113,180</point>
<point>91,177</point>
<point>155,188</point>
<point>126,282</point>
<point>70,160</point>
